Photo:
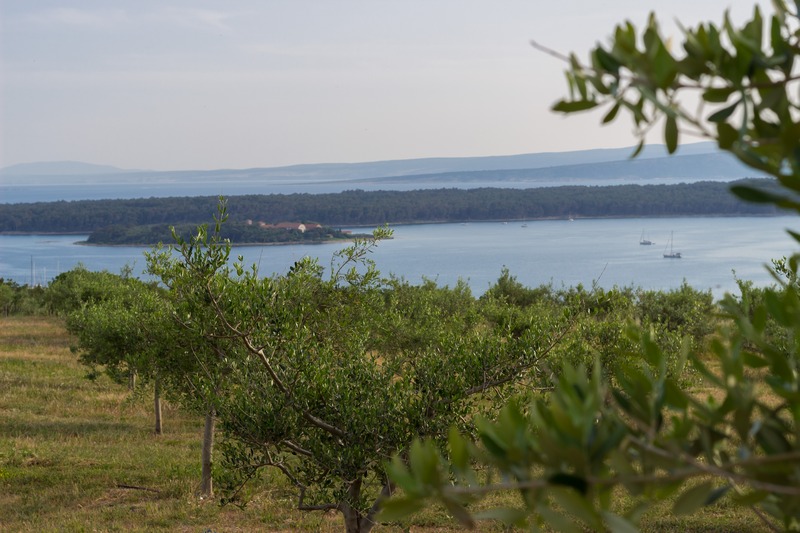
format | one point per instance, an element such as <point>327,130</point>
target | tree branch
<point>386,492</point>
<point>549,51</point>
<point>718,471</point>
<point>515,371</point>
<point>318,422</point>
<point>297,449</point>
<point>259,352</point>
<point>322,507</point>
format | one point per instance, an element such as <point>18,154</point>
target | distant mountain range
<point>693,162</point>
<point>59,168</point>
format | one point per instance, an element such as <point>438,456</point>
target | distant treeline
<point>363,208</point>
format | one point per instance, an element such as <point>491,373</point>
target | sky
<point>194,84</point>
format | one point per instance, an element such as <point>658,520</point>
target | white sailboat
<point>645,242</point>
<point>672,254</point>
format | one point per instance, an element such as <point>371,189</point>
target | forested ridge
<point>370,208</point>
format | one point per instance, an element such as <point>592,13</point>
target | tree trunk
<point>157,405</point>
<point>206,487</point>
<point>354,520</point>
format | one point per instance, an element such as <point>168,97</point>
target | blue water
<point>564,253</point>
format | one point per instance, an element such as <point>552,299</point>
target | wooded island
<point>253,218</point>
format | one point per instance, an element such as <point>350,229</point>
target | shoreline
<point>422,222</point>
<point>236,244</point>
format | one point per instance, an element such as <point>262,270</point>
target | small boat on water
<point>671,254</point>
<point>645,242</point>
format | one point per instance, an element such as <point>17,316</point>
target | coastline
<point>552,251</point>
<point>237,244</point>
<point>458,221</point>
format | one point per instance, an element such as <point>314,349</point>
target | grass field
<point>77,455</point>
<point>71,451</point>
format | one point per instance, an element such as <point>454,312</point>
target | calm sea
<point>564,253</point>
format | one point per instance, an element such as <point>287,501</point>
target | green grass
<point>80,455</point>
<point>72,449</point>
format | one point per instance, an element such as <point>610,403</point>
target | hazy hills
<point>694,162</point>
<point>59,168</point>
<point>690,168</point>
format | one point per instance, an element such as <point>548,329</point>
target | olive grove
<point>325,377</point>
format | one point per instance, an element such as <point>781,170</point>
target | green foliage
<point>646,435</point>
<point>685,311</point>
<point>599,319</point>
<point>511,291</point>
<point>415,317</point>
<point>123,330</point>
<point>116,320</point>
<point>79,287</point>
<point>8,290</point>
<point>16,299</point>
<point>745,77</point>
<point>568,455</point>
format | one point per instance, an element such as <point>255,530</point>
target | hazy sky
<point>195,84</point>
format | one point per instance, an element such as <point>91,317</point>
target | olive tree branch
<point>719,471</point>
<point>259,352</point>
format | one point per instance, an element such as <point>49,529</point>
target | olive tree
<point>126,328</point>
<point>640,432</point>
<point>201,357</point>
<point>76,288</point>
<point>329,372</point>
<point>125,335</point>
<point>74,293</point>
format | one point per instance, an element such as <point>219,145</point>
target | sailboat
<point>672,254</point>
<point>644,241</point>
